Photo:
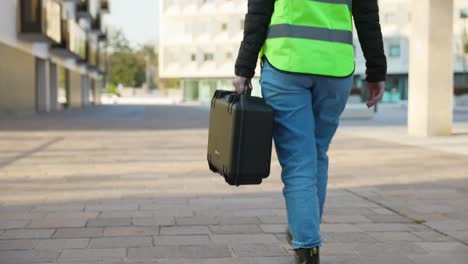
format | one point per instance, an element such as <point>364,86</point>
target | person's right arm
<point>257,21</point>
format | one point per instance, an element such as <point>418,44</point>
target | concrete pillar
<point>430,102</point>
<point>84,90</point>
<point>42,86</point>
<point>53,83</point>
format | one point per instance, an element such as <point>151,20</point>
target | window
<point>242,22</point>
<point>394,51</point>
<point>224,27</point>
<point>229,55</point>
<point>194,57</point>
<point>208,56</point>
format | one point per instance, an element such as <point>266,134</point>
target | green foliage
<point>112,89</point>
<point>169,83</point>
<point>465,47</point>
<point>127,69</point>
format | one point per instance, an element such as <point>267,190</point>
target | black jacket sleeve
<point>256,25</point>
<point>366,20</point>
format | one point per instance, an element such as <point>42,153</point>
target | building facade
<point>52,54</point>
<point>200,39</point>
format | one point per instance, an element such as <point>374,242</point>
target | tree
<point>127,69</point>
<point>126,66</point>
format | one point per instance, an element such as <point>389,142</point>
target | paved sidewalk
<point>121,184</point>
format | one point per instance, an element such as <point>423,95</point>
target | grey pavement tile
<point>238,220</point>
<point>130,231</point>
<point>382,227</point>
<point>27,233</point>
<point>184,230</point>
<point>197,220</point>
<point>19,244</point>
<point>182,240</point>
<point>244,238</point>
<point>86,232</point>
<point>339,228</point>
<point>235,229</point>
<point>347,219</point>
<point>347,237</point>
<point>431,236</point>
<point>444,247</point>
<point>124,214</point>
<point>110,206</point>
<point>66,207</point>
<point>273,219</point>
<point>28,256</point>
<point>61,220</point>
<point>107,222</point>
<point>189,252</point>
<point>438,258</point>
<point>258,250</point>
<point>13,223</point>
<point>153,221</point>
<point>91,254</point>
<point>120,242</point>
<point>394,236</point>
<point>274,228</point>
<point>66,243</point>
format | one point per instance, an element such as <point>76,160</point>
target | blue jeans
<point>307,111</point>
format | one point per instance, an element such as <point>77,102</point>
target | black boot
<point>304,255</point>
<point>307,255</point>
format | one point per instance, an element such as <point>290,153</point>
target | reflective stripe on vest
<point>304,32</point>
<point>312,37</point>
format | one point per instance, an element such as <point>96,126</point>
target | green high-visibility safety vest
<point>311,37</point>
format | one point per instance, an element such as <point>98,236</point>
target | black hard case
<point>240,137</point>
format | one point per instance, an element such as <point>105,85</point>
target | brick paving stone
<point>235,229</point>
<point>67,207</point>
<point>27,233</point>
<point>244,238</point>
<point>130,231</point>
<point>274,219</point>
<point>394,236</point>
<point>153,221</point>
<point>160,183</point>
<point>90,254</point>
<point>13,223</point>
<point>274,228</point>
<point>339,228</point>
<point>61,220</point>
<point>87,232</point>
<point>431,236</point>
<point>19,244</point>
<point>258,250</point>
<point>189,252</point>
<point>384,227</point>
<point>106,222</point>
<point>63,243</point>
<point>347,237</point>
<point>184,230</point>
<point>197,220</point>
<point>120,242</point>
<point>182,240</point>
<point>444,247</point>
<point>28,256</point>
<point>125,214</point>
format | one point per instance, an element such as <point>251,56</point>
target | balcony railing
<point>73,44</point>
<point>40,20</point>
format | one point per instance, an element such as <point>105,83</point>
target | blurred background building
<point>53,54</point>
<point>200,39</point>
